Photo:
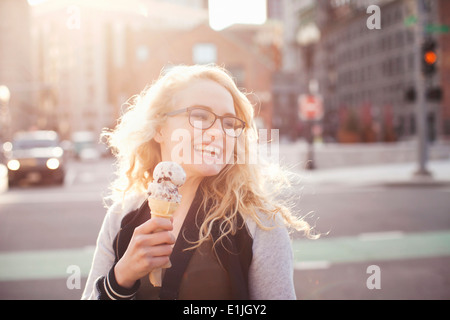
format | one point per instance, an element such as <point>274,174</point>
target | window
<point>411,62</point>
<point>142,53</point>
<point>238,74</point>
<point>204,53</point>
<point>400,38</point>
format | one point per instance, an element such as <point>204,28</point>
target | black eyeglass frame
<point>190,109</point>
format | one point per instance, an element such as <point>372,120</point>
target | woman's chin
<point>206,166</point>
<point>207,170</point>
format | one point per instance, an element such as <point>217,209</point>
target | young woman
<point>228,239</point>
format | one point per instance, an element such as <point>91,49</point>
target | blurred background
<point>357,92</point>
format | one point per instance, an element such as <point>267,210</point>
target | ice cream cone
<point>164,199</point>
<point>162,209</point>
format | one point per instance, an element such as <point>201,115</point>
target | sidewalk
<point>398,174</point>
<point>370,164</point>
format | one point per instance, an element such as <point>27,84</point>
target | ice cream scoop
<point>172,171</point>
<point>164,199</point>
<point>167,177</point>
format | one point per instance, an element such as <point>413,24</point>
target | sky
<point>225,13</point>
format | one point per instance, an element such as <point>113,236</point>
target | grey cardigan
<point>270,275</point>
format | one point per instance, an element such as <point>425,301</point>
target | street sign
<point>437,28</point>
<point>429,28</point>
<point>310,107</point>
<point>410,21</point>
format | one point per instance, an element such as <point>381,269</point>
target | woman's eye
<point>228,123</point>
<point>199,116</point>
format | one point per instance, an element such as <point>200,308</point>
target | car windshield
<point>35,143</point>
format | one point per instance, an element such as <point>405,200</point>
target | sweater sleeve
<point>271,273</point>
<point>104,256</point>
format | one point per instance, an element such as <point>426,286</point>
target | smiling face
<point>204,152</point>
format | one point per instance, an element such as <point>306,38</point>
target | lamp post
<point>310,111</point>
<point>5,117</point>
<point>310,105</point>
<point>421,109</point>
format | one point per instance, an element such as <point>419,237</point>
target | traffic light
<point>434,94</point>
<point>410,94</point>
<point>429,57</point>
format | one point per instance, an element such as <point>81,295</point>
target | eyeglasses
<point>201,118</point>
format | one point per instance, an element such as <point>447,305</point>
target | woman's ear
<point>159,135</point>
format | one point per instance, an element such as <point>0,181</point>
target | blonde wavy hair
<point>240,188</point>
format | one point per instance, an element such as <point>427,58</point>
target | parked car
<point>85,145</point>
<point>3,178</point>
<point>36,156</point>
<point>3,168</point>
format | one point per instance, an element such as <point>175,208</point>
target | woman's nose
<point>215,131</point>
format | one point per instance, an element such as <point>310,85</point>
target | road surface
<point>378,242</point>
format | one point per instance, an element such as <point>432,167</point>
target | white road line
<point>312,265</point>
<point>51,198</point>
<point>380,236</point>
<point>338,189</point>
<point>70,177</point>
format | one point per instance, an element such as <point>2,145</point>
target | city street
<point>47,231</point>
<point>351,97</point>
<point>402,230</point>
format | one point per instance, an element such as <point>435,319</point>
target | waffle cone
<point>161,208</point>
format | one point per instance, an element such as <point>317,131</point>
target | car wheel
<point>12,183</point>
<point>60,180</point>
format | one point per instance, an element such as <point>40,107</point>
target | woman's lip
<point>208,147</point>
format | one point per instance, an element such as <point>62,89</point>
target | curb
<point>413,184</point>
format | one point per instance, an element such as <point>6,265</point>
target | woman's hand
<point>149,248</point>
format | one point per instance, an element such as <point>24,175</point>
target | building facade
<point>16,72</point>
<point>150,51</point>
<point>81,52</point>
<point>91,57</point>
<point>364,75</point>
<point>444,66</point>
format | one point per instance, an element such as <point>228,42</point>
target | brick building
<point>16,72</point>
<point>149,51</point>
<point>444,65</point>
<point>91,57</point>
<point>366,73</point>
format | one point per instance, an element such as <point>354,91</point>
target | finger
<point>160,251</point>
<point>158,262</point>
<point>154,224</point>
<point>154,239</point>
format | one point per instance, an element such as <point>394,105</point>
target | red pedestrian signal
<point>429,57</point>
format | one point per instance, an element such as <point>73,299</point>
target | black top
<point>194,272</point>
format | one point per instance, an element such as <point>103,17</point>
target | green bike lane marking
<point>44,264</point>
<point>321,253</point>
